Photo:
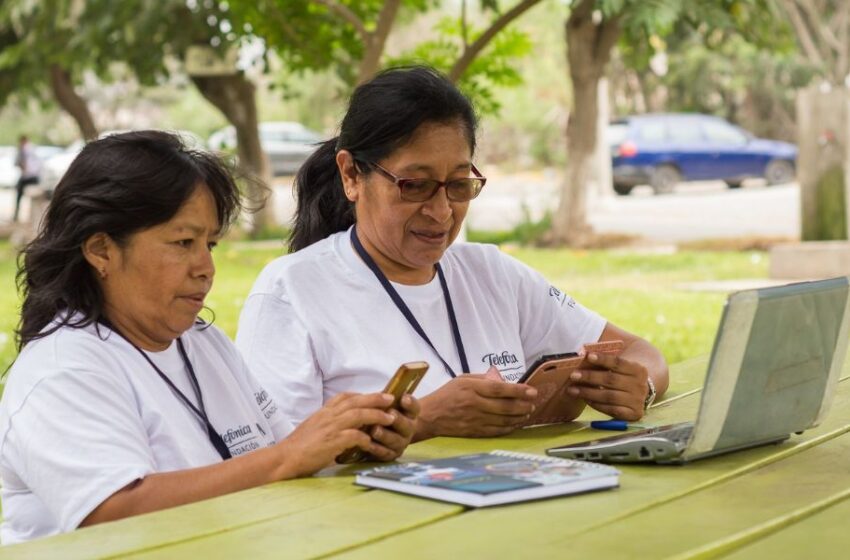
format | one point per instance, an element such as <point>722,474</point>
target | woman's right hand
<point>475,405</point>
<point>317,441</point>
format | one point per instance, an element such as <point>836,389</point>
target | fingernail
<point>377,432</point>
<point>575,376</point>
<point>593,357</point>
<point>573,391</point>
<point>388,397</point>
<point>531,392</point>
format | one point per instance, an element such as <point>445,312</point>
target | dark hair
<point>118,185</point>
<point>382,116</point>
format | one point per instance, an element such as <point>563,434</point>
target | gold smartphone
<point>404,382</point>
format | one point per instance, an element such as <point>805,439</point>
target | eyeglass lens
<point>459,190</point>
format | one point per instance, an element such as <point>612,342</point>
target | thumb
<point>493,373</point>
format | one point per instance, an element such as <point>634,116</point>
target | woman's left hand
<point>619,388</point>
<point>397,436</point>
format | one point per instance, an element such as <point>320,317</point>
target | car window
<point>722,133</point>
<point>652,131</point>
<point>275,136</point>
<point>685,132</point>
<point>301,136</point>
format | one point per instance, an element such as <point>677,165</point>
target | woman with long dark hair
<point>375,280</point>
<point>121,401</point>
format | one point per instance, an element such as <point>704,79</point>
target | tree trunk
<point>234,95</point>
<point>375,42</point>
<point>589,47</point>
<point>71,102</point>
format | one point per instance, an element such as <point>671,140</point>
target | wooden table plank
<point>738,510</point>
<point>333,528</point>
<point>328,514</point>
<point>823,534</point>
<point>644,490</point>
<point>192,521</point>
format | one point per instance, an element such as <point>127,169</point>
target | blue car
<point>662,150</point>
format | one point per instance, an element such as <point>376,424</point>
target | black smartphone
<point>542,360</point>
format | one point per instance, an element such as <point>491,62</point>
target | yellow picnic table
<point>779,501</point>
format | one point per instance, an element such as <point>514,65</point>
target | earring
<point>102,273</point>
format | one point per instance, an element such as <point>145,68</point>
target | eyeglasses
<point>420,190</point>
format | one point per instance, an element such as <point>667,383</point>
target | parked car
<point>662,150</point>
<point>53,168</point>
<point>9,172</point>
<point>287,144</point>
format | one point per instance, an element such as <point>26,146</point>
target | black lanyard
<point>388,287</point>
<point>200,411</point>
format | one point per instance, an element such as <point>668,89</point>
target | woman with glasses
<point>374,280</point>
<point>121,401</point>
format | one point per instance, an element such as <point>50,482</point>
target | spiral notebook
<point>489,479</point>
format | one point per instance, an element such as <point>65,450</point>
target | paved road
<point>706,210</point>
<point>694,211</point>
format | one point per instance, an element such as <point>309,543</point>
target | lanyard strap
<point>399,303</point>
<point>200,411</point>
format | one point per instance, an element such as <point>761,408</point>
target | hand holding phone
<point>550,375</point>
<point>403,382</point>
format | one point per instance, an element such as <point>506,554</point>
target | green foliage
<point>752,86</point>
<point>496,67</point>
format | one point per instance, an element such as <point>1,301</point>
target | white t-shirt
<point>318,322</point>
<point>83,415</point>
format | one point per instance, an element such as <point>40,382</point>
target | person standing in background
<point>30,166</point>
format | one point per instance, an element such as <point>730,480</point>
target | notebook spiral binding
<point>545,459</point>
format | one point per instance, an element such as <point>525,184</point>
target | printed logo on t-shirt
<point>507,363</point>
<point>241,439</point>
<point>561,297</point>
<point>266,404</point>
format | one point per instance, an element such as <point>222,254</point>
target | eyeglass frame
<point>400,181</point>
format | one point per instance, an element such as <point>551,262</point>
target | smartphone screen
<point>542,360</point>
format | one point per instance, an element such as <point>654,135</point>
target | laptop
<point>773,370</point>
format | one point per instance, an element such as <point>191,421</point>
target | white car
<point>287,144</point>
<point>54,168</point>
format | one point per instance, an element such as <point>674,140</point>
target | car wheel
<point>779,171</point>
<point>733,184</point>
<point>664,178</point>
<point>622,190</point>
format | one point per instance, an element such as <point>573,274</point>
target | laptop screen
<point>774,366</point>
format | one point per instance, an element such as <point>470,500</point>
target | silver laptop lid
<point>775,363</point>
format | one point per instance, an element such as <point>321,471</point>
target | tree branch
<point>815,19</point>
<point>464,32</point>
<point>345,13</point>
<point>842,20</point>
<point>473,50</point>
<point>803,33</point>
<point>375,42</point>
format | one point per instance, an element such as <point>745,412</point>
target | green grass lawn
<point>635,291</point>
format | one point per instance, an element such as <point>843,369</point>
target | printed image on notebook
<point>773,370</point>
<point>488,479</point>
